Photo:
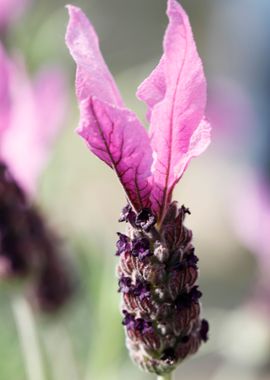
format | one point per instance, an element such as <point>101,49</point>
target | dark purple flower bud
<point>123,244</point>
<point>125,285</point>
<point>190,259</point>
<point>128,320</point>
<point>204,330</point>
<point>186,299</point>
<point>141,248</point>
<point>139,324</point>
<point>168,355</point>
<point>136,324</point>
<point>185,210</point>
<point>145,219</point>
<point>141,290</point>
<point>195,293</point>
<point>148,327</point>
<point>127,215</point>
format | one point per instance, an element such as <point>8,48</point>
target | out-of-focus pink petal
<point>116,136</point>
<point>92,77</point>
<point>231,110</point>
<point>36,116</point>
<point>50,97</point>
<point>5,101</point>
<point>10,10</point>
<point>251,217</point>
<point>177,115</point>
<point>112,132</point>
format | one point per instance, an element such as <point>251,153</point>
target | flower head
<point>157,267</point>
<point>147,165</point>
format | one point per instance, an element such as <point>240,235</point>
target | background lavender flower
<point>31,115</point>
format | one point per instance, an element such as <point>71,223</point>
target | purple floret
<point>136,324</point>
<point>204,330</point>
<point>141,248</point>
<point>145,219</point>
<point>127,215</point>
<point>148,327</point>
<point>128,320</point>
<point>191,259</point>
<point>123,244</point>
<point>125,285</point>
<point>141,290</point>
<point>143,326</point>
<point>186,299</point>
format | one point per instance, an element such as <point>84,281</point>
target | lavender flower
<point>157,265</point>
<point>30,117</point>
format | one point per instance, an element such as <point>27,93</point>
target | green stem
<point>168,376</point>
<point>29,340</point>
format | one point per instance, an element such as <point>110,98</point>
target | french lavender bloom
<point>157,267</point>
<point>30,117</point>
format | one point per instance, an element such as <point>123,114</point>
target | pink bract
<point>175,93</point>
<point>33,113</point>
<point>111,131</point>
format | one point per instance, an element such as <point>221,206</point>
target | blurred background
<point>227,191</point>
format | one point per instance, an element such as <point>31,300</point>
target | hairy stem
<point>168,376</point>
<point>29,339</point>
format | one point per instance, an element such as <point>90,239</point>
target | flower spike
<point>157,268</point>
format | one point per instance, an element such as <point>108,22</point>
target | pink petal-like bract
<point>35,116</point>
<point>175,93</point>
<point>5,101</point>
<point>112,132</point>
